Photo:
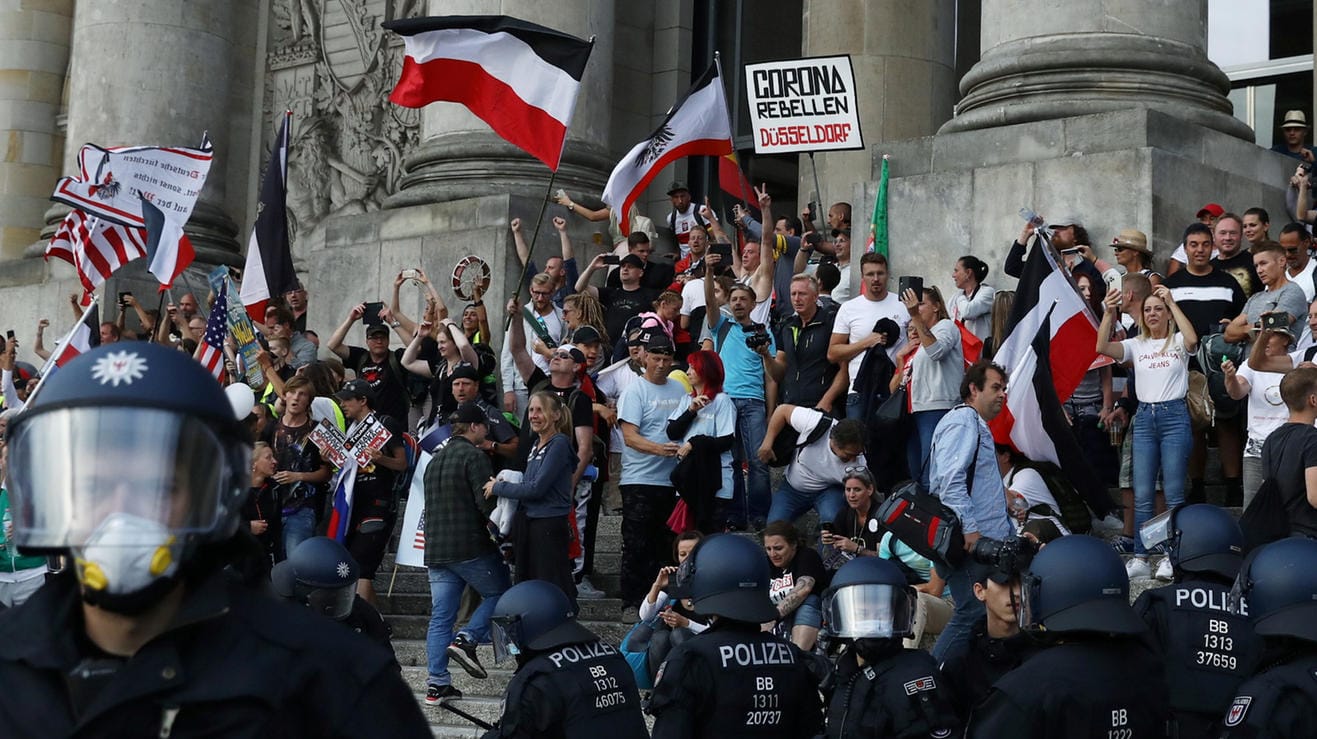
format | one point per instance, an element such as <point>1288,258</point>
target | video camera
<point>757,336</point>
<point>1011,556</point>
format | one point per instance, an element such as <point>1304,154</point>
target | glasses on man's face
<point>540,294</point>
<point>562,355</point>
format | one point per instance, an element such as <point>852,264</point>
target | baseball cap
<point>463,371</point>
<point>678,186</point>
<point>377,330</point>
<point>469,413</point>
<point>356,390</point>
<point>577,355</point>
<point>636,337</point>
<point>1070,219</point>
<point>657,341</point>
<point>1212,209</point>
<point>586,335</point>
<point>631,260</point>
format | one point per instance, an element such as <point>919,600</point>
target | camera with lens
<point>757,336</point>
<point>1011,556</point>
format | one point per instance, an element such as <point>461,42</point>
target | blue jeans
<point>489,577</point>
<point>751,424</point>
<point>1162,443</point>
<point>299,526</point>
<point>969,611</point>
<point>919,443</point>
<point>789,503</point>
<point>854,407</point>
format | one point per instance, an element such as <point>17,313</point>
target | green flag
<point>878,226</point>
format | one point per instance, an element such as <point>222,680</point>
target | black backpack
<point>788,443</point>
<point>1074,511</point>
<point>1211,349</point>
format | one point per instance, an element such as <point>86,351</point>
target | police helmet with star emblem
<point>128,458</point>
<point>321,574</point>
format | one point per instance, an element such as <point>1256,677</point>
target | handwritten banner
<point>801,105</point>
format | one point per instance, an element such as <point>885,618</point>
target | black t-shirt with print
<point>621,306</point>
<point>390,391</point>
<point>372,493</point>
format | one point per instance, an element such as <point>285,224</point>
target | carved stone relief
<point>332,65</point>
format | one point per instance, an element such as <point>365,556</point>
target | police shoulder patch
<point>1235,716</point>
<point>921,685</point>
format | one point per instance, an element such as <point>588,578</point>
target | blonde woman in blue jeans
<point>1159,356</point>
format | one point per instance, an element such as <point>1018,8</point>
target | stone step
<point>415,627</point>
<point>493,686</point>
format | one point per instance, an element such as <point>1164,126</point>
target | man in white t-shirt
<point>853,331</point>
<point>814,476</point>
<point>1266,410</point>
<point>1299,264</point>
<point>684,216</point>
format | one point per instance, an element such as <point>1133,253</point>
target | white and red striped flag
<point>210,351</point>
<point>519,77</point>
<point>95,248</point>
<point>696,124</point>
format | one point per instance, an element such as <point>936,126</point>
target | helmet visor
<point>870,611</point>
<point>1156,531</point>
<point>336,603</point>
<point>71,468</point>
<point>502,637</point>
<point>1030,588</point>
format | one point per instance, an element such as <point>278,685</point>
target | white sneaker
<point>1164,570</point>
<point>585,590</point>
<point>1137,568</point>
<point>1108,525</point>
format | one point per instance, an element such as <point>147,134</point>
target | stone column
<point>156,72</point>
<point>1049,59</point>
<point>34,56</point>
<point>903,53</point>
<point>461,157</point>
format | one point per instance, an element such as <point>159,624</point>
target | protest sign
<point>803,105</point>
<point>240,328</point>
<point>338,448</point>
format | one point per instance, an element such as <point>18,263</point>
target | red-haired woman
<point>706,429</point>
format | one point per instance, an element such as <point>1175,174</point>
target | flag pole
<point>60,347</point>
<point>539,220</point>
<point>731,126</point>
<point>818,190</point>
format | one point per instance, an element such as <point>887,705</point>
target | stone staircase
<point>407,610</point>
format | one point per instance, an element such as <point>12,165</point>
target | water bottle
<point>1032,217</point>
<point>1116,429</point>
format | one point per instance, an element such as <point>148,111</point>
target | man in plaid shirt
<point>459,550</point>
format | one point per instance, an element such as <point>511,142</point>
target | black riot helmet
<point>129,459</point>
<point>533,616</point>
<point>1199,538</point>
<point>320,573</point>
<point>1074,584</point>
<point>1277,589</point>
<point>726,575</point>
<point>869,599</point>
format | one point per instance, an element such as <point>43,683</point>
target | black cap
<point>469,413</point>
<point>636,337</point>
<point>463,371</point>
<point>586,335</point>
<point>578,356</point>
<point>658,341</point>
<point>356,390</point>
<point>677,186</point>
<point>631,260</point>
<point>376,330</point>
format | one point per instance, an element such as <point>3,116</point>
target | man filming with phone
<point>375,363</point>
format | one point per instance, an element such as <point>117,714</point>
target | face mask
<point>125,554</point>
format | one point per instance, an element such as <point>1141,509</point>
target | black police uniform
<point>367,621</point>
<point>1207,651</point>
<point>901,696</point>
<point>1105,688</point>
<point>584,690</point>
<point>1280,702</point>
<point>734,680</point>
<point>235,664</point>
<point>969,674</point>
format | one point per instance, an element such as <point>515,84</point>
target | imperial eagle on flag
<point>519,77</point>
<point>697,124</point>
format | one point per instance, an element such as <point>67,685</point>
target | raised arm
<point>523,250</point>
<point>1186,328</point>
<point>711,304</point>
<point>1105,346</point>
<point>38,346</point>
<point>583,282</point>
<point>411,360</point>
<point>341,333</point>
<point>516,341</point>
<point>595,216</point>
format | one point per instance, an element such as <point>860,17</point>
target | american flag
<point>95,247</point>
<point>210,352</point>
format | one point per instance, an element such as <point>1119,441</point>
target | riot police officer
<point>322,575</point>
<point>880,688</point>
<point>733,679</point>
<point>1207,650</point>
<point>130,462</point>
<point>1097,679</point>
<point>996,645</point>
<point>1277,590</point>
<point>568,683</point>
